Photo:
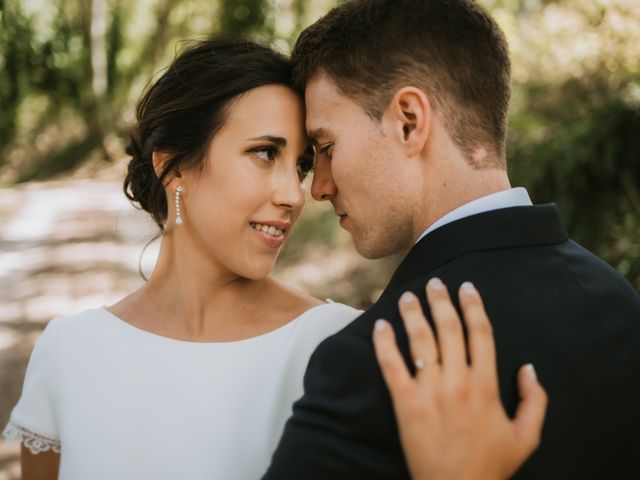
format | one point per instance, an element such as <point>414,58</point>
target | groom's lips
<point>340,213</point>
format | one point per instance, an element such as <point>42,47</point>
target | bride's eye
<point>305,166</point>
<point>266,153</point>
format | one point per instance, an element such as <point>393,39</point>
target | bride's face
<point>240,208</point>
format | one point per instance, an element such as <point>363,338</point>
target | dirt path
<point>64,246</point>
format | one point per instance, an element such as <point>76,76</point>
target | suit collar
<point>497,229</point>
<point>512,197</point>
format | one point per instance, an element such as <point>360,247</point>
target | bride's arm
<point>39,466</point>
<point>452,423</point>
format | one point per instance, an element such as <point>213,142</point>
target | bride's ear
<point>159,161</point>
<point>410,112</point>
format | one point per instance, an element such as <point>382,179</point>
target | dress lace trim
<point>34,442</point>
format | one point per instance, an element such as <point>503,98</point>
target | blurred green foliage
<point>243,17</point>
<point>73,69</point>
<point>575,120</point>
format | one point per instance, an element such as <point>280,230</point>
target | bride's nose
<point>287,189</point>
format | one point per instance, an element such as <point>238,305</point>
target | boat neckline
<point>261,336</point>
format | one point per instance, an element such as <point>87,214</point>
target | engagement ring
<point>420,363</point>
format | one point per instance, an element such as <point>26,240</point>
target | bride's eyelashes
<point>269,153</point>
<point>306,164</point>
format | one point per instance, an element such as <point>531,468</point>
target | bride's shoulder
<point>302,301</point>
<point>324,320</point>
<point>78,323</point>
<point>313,310</point>
<point>329,307</point>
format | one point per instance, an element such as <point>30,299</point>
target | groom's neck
<point>449,194</point>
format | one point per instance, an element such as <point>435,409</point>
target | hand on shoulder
<point>452,423</point>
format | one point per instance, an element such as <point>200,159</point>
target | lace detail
<point>34,442</point>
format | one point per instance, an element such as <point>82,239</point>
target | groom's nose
<point>323,186</point>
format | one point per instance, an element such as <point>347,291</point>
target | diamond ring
<point>420,363</point>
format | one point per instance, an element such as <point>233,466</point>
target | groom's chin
<point>372,248</point>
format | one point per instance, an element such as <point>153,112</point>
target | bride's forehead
<point>278,97</point>
<point>269,116</point>
<point>273,107</point>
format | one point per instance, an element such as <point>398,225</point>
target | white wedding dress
<point>122,403</point>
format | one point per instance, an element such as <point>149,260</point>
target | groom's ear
<point>410,114</point>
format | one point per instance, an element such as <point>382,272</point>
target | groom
<point>407,106</point>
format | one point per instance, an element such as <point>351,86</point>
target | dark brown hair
<point>451,49</point>
<point>187,105</point>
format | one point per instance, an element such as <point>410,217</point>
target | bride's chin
<point>258,271</point>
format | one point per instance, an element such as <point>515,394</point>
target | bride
<point>193,375</point>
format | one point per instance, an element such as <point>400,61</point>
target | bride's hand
<point>451,420</point>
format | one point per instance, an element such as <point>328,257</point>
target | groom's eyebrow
<point>318,133</point>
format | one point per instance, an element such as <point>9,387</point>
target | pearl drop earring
<point>179,190</point>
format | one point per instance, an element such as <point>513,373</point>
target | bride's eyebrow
<point>280,141</point>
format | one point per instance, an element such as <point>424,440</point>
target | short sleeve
<point>33,421</point>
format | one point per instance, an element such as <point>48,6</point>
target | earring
<point>179,190</point>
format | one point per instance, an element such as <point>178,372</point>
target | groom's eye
<point>325,149</point>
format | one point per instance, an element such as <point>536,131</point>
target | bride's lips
<point>270,232</point>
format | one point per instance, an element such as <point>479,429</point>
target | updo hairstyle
<point>182,111</point>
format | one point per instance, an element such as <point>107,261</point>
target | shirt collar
<point>513,197</point>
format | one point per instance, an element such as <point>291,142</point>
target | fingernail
<point>468,288</point>
<point>407,297</point>
<point>380,325</point>
<point>436,284</point>
<point>531,372</point>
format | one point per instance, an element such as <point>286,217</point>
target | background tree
<point>575,121</point>
<point>73,70</point>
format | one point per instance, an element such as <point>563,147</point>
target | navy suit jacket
<point>550,301</point>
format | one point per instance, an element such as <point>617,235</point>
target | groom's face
<point>359,171</point>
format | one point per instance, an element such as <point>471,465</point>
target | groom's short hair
<point>451,49</point>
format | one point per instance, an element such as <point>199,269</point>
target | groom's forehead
<point>326,106</point>
<point>322,92</point>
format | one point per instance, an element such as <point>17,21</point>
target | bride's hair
<point>186,106</point>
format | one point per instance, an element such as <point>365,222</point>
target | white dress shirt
<point>514,197</point>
